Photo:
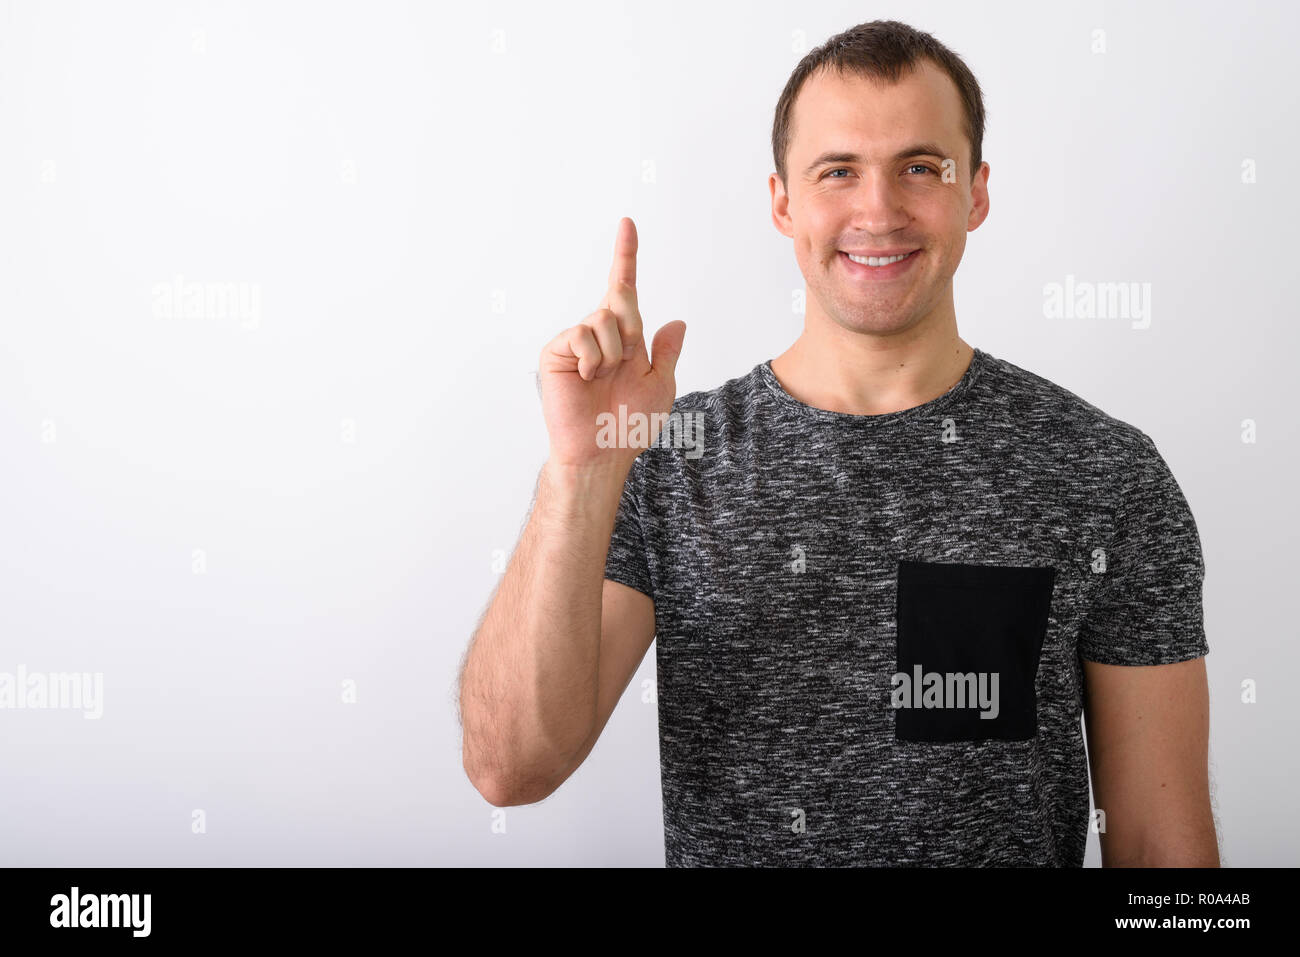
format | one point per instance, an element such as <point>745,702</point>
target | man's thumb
<point>667,347</point>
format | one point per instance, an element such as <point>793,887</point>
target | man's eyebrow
<point>918,149</point>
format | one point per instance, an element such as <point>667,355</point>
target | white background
<point>422,195</point>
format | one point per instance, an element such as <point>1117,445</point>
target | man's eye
<point>921,166</point>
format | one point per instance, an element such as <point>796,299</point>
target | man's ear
<point>979,198</point>
<point>780,206</point>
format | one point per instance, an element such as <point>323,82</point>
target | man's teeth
<point>877,260</point>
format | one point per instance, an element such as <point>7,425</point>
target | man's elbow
<point>503,791</point>
<point>504,795</point>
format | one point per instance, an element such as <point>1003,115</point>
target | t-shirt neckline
<point>979,360</point>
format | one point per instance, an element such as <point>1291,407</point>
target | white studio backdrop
<point>270,521</point>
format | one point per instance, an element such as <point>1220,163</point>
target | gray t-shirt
<point>869,628</point>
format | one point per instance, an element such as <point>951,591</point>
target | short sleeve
<point>1148,609</point>
<point>626,562</point>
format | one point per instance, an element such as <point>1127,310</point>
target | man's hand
<point>602,363</point>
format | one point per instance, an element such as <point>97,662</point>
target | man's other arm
<point>1148,743</point>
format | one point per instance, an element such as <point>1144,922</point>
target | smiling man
<point>868,187</point>
<point>896,573</point>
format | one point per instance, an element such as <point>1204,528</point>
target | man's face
<point>879,202</point>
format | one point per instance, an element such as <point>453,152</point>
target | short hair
<point>881,50</point>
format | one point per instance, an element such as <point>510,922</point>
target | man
<point>895,572</point>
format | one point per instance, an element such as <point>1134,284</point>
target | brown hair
<point>882,50</point>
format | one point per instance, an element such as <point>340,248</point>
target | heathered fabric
<point>773,560</point>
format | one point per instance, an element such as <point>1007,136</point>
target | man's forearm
<point>529,685</point>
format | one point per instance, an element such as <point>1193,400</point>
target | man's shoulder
<point>737,393</point>
<point>1033,401</point>
<point>699,424</point>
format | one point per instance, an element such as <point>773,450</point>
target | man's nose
<point>879,204</point>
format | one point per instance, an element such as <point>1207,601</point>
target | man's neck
<point>861,374</point>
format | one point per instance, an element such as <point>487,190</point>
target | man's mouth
<point>877,260</point>
<point>884,265</point>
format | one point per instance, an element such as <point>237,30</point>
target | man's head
<point>877,141</point>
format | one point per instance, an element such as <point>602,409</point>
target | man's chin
<point>875,323</point>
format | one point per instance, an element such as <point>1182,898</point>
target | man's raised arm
<point>542,672</point>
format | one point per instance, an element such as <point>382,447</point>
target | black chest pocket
<point>969,639</point>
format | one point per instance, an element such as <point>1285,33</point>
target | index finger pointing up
<point>624,267</point>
